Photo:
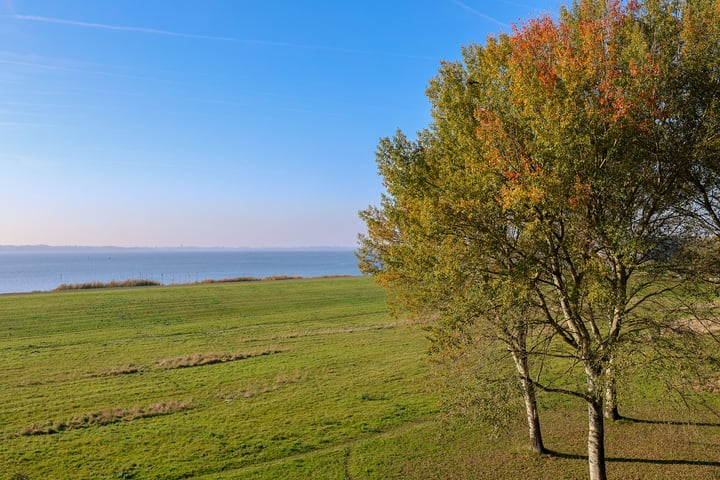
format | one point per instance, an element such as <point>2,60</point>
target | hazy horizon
<point>175,247</point>
<point>216,124</point>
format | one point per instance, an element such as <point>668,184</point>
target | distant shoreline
<point>112,249</point>
<point>277,278</point>
<point>41,269</point>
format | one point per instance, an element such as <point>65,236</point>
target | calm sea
<point>26,270</point>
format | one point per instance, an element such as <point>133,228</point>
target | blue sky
<point>214,122</point>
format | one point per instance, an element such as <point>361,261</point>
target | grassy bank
<point>268,380</point>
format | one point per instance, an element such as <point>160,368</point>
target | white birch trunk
<point>611,408</point>
<point>596,428</point>
<point>531,409</point>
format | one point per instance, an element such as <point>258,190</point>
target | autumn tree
<point>560,159</point>
<point>415,248</point>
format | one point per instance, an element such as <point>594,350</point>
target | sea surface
<point>27,269</point>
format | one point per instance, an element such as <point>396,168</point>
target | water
<point>32,269</point>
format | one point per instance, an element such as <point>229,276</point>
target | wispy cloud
<point>154,31</point>
<point>35,18</point>
<point>46,66</point>
<point>479,14</point>
<point>25,124</point>
<point>8,78</point>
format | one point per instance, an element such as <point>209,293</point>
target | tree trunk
<point>531,409</point>
<point>596,428</point>
<point>533,418</point>
<point>596,441</point>
<point>611,407</point>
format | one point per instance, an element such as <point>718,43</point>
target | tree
<point>434,272</point>
<point>559,160</point>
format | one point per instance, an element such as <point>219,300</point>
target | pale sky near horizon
<point>211,123</point>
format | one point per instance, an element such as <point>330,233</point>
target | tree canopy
<point>539,201</point>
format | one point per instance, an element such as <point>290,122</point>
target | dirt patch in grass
<point>712,386</point>
<point>106,417</point>
<point>200,359</point>
<point>701,326</point>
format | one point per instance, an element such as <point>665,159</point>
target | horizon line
<point>179,247</point>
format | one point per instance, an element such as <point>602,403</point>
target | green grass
<point>306,379</point>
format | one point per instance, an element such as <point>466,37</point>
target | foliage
<point>560,160</point>
<point>700,258</point>
<point>478,385</point>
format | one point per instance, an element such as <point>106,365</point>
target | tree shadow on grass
<point>553,453</point>
<point>666,422</point>
<point>572,456</point>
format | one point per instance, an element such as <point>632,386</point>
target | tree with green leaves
<point>554,171</point>
<point>694,133</point>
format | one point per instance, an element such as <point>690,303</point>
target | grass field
<point>306,379</point>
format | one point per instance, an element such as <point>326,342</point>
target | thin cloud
<point>35,18</point>
<point>46,66</point>
<point>61,62</point>
<point>479,14</point>
<point>25,124</point>
<point>154,31</point>
<point>27,105</point>
<point>11,78</point>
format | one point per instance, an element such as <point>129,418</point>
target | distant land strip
<point>141,282</point>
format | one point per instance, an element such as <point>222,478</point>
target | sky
<point>215,123</point>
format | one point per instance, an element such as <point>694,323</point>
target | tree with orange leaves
<point>559,159</point>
